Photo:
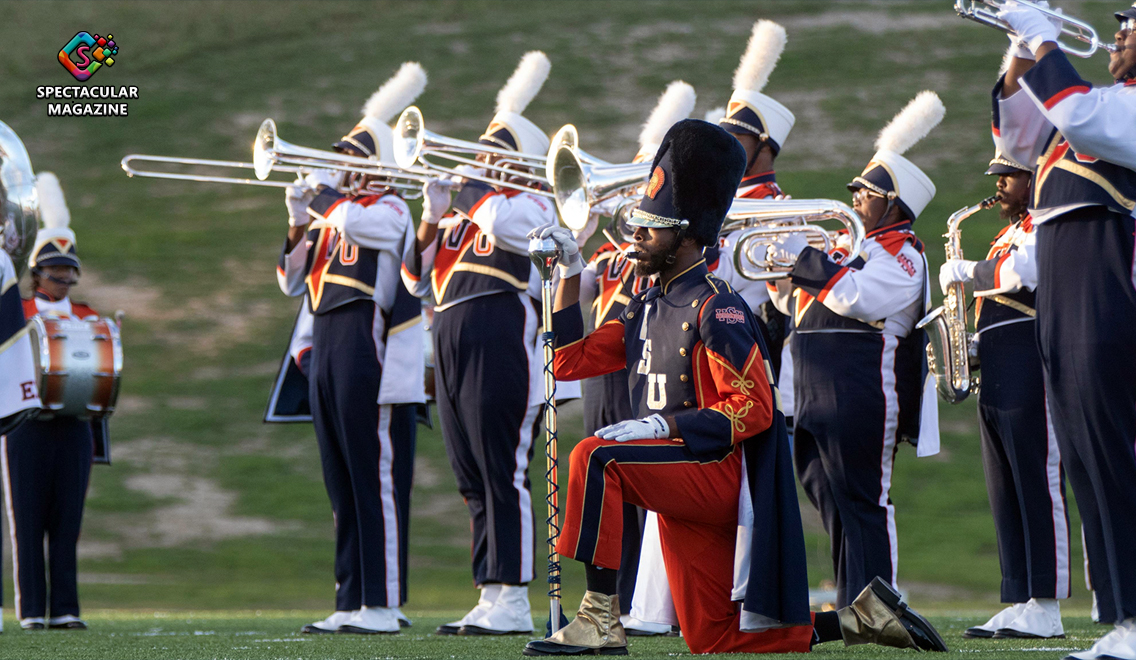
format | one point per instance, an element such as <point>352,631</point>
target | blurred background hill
<point>205,506</point>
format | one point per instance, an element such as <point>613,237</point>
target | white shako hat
<point>372,137</point>
<point>674,105</point>
<point>509,129</point>
<point>55,243</point>
<point>750,112</point>
<point>889,173</point>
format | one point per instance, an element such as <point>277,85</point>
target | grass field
<point>273,634</point>
<point>206,508</point>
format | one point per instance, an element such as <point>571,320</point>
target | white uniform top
<point>18,390</point>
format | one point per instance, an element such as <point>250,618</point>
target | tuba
<point>19,204</point>
<point>761,220</point>
<point>949,343</point>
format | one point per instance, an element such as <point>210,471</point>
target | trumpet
<point>761,220</point>
<point>985,12</point>
<point>580,181</point>
<point>272,154</point>
<point>414,145</point>
<point>949,342</point>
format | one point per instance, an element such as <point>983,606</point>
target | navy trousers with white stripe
<point>844,442</point>
<point>1086,310</point>
<point>1022,463</point>
<point>481,376</point>
<point>367,455</point>
<point>47,466</point>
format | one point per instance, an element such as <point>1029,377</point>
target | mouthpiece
<point>990,201</point>
<point>633,255</point>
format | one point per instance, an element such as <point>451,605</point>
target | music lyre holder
<point>545,255</point>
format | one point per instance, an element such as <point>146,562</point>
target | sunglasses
<point>1128,25</point>
<point>863,195</point>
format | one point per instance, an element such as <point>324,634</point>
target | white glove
<point>956,270</point>
<point>297,197</point>
<point>582,235</point>
<point>465,172</point>
<point>1034,27</point>
<point>787,247</point>
<point>648,428</point>
<point>779,198</point>
<point>435,200</point>
<point>1019,48</point>
<point>571,263</point>
<point>323,177</point>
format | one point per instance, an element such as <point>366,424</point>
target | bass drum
<point>78,366</point>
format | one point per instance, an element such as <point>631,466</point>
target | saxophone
<point>949,342</point>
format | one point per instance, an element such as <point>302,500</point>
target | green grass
<point>275,634</point>
<point>193,264</point>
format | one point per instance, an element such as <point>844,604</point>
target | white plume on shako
<point>525,83</point>
<point>396,93</point>
<point>675,104</point>
<point>912,124</point>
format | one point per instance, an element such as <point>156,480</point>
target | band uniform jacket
<point>18,391</point>
<point>692,350</point>
<point>482,249</point>
<point>1004,283</point>
<point>333,268</point>
<point>1082,143</point>
<point>884,290</point>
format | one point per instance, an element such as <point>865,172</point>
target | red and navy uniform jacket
<point>614,281</point>
<point>1004,283</point>
<point>1079,136</point>
<point>692,350</point>
<point>44,305</point>
<point>360,262</point>
<point>483,249</point>
<point>18,391</point>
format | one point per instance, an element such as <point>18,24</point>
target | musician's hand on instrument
<point>955,270</point>
<point>648,428</point>
<point>1019,48</point>
<point>297,197</point>
<point>571,262</point>
<point>788,246</point>
<point>464,172</point>
<point>323,177</point>
<point>781,198</point>
<point>1034,27</point>
<point>435,200</point>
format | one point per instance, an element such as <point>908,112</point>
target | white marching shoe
<point>639,628</point>
<point>1039,619</point>
<point>999,620</point>
<point>1120,644</point>
<point>66,622</point>
<point>510,614</point>
<point>403,620</point>
<point>371,621</point>
<point>329,625</point>
<point>489,594</point>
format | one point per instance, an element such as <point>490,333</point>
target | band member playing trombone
<point>487,382</point>
<point>1019,449</point>
<point>1084,194</point>
<point>857,358</point>
<point>699,375</point>
<point>348,266</point>
<point>47,461</point>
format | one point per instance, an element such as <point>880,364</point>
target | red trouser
<point>696,498</point>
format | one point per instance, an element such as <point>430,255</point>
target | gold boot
<point>879,616</point>
<point>596,630</point>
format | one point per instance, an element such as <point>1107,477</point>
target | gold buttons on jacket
<point>695,303</point>
<point>630,315</point>
<point>684,378</point>
<point>688,404</point>
<point>685,325</point>
<point>682,351</point>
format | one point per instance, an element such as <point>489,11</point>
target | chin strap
<point>680,234</point>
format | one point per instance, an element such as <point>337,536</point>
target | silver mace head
<point>545,254</point>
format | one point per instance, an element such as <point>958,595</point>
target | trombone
<point>761,220</point>
<point>985,12</point>
<point>413,144</point>
<point>272,154</point>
